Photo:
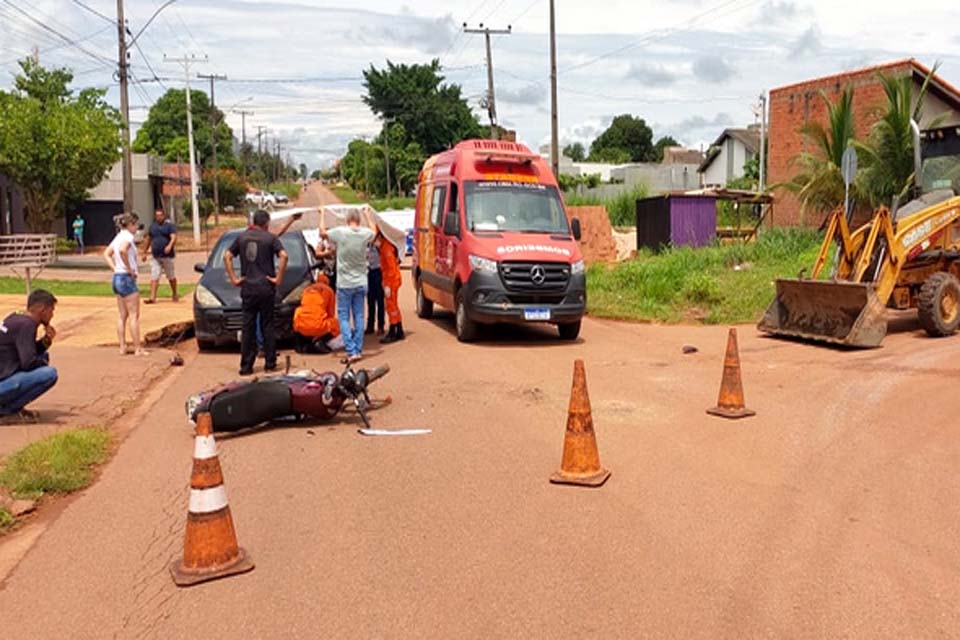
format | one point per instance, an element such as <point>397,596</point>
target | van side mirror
<point>451,224</point>
<point>200,267</point>
<point>577,231</point>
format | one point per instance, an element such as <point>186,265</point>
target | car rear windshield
<point>513,206</point>
<point>292,243</point>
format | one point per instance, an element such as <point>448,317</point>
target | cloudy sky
<point>689,67</point>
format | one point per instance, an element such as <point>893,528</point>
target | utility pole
<point>554,126</point>
<point>386,150</point>
<point>260,131</point>
<point>366,171</point>
<point>125,111</point>
<point>491,96</point>
<point>763,141</point>
<point>186,61</point>
<point>243,143</point>
<point>216,165</point>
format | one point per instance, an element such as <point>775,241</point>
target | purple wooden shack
<point>676,219</point>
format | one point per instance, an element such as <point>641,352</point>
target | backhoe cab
<point>901,259</point>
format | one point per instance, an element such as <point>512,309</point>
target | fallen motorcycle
<point>293,396</point>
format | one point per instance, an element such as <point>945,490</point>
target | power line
<point>66,39</point>
<point>525,11</point>
<point>64,44</point>
<point>662,33</point>
<point>84,5</point>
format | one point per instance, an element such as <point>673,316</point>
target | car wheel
<point>424,306</point>
<point>938,305</point>
<point>569,330</point>
<point>466,328</point>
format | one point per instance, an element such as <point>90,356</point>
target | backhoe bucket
<point>847,313</point>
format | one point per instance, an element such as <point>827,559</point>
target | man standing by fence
<point>78,224</point>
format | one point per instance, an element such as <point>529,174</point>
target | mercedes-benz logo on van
<point>538,274</point>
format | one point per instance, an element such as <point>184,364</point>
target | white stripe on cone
<point>204,448</point>
<point>208,500</point>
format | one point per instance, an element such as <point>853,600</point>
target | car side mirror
<point>200,267</point>
<point>577,231</point>
<point>451,224</point>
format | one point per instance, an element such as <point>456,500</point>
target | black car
<point>217,315</point>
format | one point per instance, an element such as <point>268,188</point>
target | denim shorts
<point>124,285</point>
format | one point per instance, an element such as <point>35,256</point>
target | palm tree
<point>819,183</point>
<point>887,155</point>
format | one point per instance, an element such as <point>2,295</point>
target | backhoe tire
<point>939,304</point>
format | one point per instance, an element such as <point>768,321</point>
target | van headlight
<point>205,297</point>
<point>577,267</point>
<point>483,265</point>
<point>294,296</point>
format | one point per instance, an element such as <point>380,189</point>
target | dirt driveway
<point>833,513</point>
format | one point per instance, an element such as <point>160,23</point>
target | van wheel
<point>466,328</point>
<point>424,306</point>
<point>569,331</point>
<point>938,305</point>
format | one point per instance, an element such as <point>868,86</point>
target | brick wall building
<point>793,106</point>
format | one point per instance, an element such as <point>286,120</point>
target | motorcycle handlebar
<point>377,373</point>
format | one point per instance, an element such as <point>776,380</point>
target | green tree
<point>165,131</point>
<point>575,152</point>
<point>818,183</point>
<point>230,187</point>
<point>304,171</point>
<point>626,133</point>
<point>433,114</point>
<point>55,144</point>
<point>610,155</point>
<point>662,144</point>
<point>887,154</point>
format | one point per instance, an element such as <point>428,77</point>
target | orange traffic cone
<point>210,548</point>
<point>581,460</point>
<point>730,403</point>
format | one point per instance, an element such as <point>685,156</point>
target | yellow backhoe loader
<point>904,259</point>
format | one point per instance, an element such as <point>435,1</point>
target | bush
<point>230,187</point>
<point>728,283</point>
<point>65,245</point>
<point>622,209</point>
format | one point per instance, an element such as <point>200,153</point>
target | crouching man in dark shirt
<point>25,371</point>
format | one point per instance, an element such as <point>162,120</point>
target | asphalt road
<point>832,513</point>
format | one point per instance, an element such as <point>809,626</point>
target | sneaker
<point>356,358</point>
<point>246,372</point>
<point>270,368</point>
<point>368,332</point>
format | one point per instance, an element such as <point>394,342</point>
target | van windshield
<point>513,206</point>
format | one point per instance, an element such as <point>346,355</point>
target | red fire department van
<point>493,241</point>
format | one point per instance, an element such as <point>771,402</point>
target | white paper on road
<point>281,214</point>
<point>399,432</point>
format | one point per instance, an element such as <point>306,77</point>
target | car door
<point>451,234</point>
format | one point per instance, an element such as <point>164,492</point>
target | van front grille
<point>535,277</point>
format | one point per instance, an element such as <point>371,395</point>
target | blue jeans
<point>350,302</point>
<point>24,387</point>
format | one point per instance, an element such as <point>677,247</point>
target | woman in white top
<point>122,256</point>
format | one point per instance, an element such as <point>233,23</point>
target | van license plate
<point>536,315</point>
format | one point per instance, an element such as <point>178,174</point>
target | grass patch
<point>713,285</point>
<point>622,209</point>
<point>393,203</point>
<point>67,288</point>
<point>289,189</point>
<point>61,463</point>
<point>6,519</point>
<point>346,195</point>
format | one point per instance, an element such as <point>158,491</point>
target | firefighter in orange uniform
<point>390,268</point>
<point>315,320</point>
